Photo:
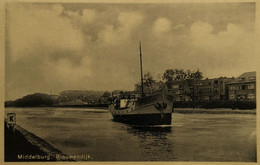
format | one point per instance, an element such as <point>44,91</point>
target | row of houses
<point>241,88</point>
<point>223,88</point>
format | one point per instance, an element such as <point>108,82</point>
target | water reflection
<point>154,130</point>
<point>191,137</point>
<point>154,142</point>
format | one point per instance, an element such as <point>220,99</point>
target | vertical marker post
<point>11,121</point>
<point>141,66</point>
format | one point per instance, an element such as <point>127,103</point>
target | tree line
<point>170,75</point>
<point>40,99</point>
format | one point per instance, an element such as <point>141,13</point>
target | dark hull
<point>145,119</point>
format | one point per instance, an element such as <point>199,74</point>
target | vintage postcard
<point>169,82</point>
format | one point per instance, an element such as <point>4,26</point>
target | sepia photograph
<point>130,82</point>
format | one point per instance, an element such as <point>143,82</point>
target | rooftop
<point>247,75</point>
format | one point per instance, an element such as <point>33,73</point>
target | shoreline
<point>64,106</point>
<point>21,145</point>
<point>214,111</point>
<point>176,110</point>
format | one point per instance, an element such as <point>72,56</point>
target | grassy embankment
<point>23,146</point>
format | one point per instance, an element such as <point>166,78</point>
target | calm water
<point>191,137</point>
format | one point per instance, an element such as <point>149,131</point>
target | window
<point>243,87</point>
<point>251,96</point>
<point>175,86</point>
<point>239,87</point>
<point>251,78</point>
<point>241,97</point>
<point>231,97</point>
<point>206,98</point>
<point>251,86</point>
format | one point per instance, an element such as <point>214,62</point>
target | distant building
<point>211,89</point>
<point>222,88</point>
<point>203,90</point>
<point>54,96</point>
<point>105,98</point>
<point>200,90</point>
<point>72,102</point>
<point>243,88</point>
<point>181,90</point>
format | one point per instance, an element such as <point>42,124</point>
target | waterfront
<point>191,137</point>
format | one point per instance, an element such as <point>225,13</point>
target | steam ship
<point>147,109</point>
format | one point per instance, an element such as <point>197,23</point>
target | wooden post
<point>141,66</point>
<point>11,121</point>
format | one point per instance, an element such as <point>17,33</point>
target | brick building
<point>222,88</point>
<point>200,90</point>
<point>243,88</point>
<point>181,90</point>
<point>211,89</point>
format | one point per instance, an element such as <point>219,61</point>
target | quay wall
<point>22,146</point>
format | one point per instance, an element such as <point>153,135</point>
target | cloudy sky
<point>55,47</point>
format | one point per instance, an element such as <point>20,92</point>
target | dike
<point>23,146</point>
<point>213,111</point>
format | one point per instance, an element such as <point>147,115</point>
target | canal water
<point>191,137</point>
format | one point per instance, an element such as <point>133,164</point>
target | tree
<point>174,74</point>
<point>197,75</point>
<point>148,80</point>
<point>189,76</point>
<point>180,74</point>
<point>168,75</point>
<point>106,94</point>
<point>34,100</point>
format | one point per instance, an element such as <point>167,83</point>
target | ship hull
<point>150,110</point>
<point>144,119</point>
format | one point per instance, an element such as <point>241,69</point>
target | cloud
<point>49,48</point>
<point>66,74</point>
<point>180,26</point>
<point>200,29</point>
<point>201,34</point>
<point>72,14</point>
<point>233,46</point>
<point>162,26</point>
<point>89,15</point>
<point>84,16</point>
<point>200,45</point>
<point>128,21</point>
<point>95,46</point>
<point>57,8</point>
<point>32,29</point>
<point>234,39</point>
<point>45,49</point>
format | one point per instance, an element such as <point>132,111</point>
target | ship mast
<point>141,65</point>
